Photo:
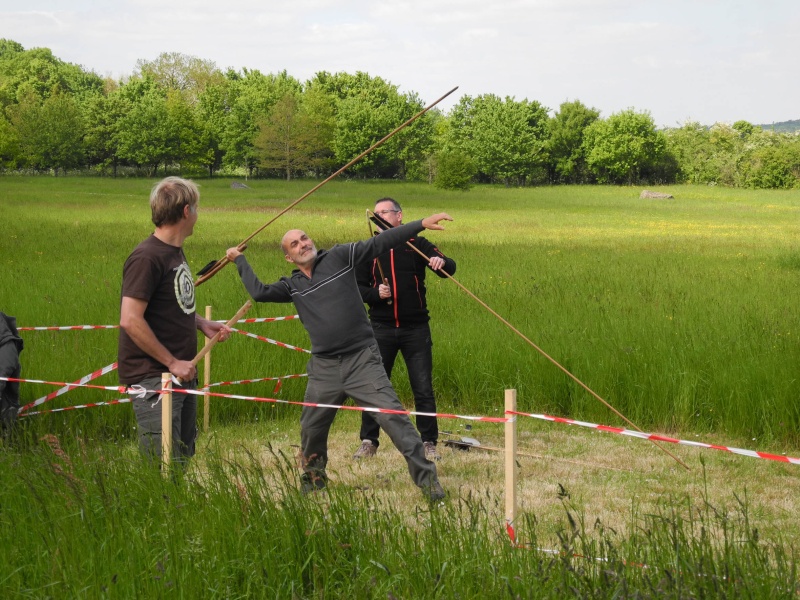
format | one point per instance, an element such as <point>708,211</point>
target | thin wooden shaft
<point>224,261</point>
<point>213,341</point>
<point>550,358</point>
<point>510,460</point>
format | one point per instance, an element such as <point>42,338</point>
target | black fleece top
<point>405,270</point>
<point>329,303</point>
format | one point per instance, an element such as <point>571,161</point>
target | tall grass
<point>680,313</point>
<point>100,523</point>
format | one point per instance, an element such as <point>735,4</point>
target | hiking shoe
<point>310,482</point>
<point>434,492</point>
<point>366,450</point>
<point>430,451</point>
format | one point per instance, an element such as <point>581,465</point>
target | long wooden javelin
<point>224,261</point>
<point>385,225</point>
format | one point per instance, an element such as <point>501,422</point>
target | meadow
<point>678,312</point>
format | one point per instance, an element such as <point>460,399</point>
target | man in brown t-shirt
<point>158,321</point>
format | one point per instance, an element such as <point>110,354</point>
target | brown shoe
<point>430,451</point>
<point>366,450</point>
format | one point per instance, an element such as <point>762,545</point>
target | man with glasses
<point>393,285</point>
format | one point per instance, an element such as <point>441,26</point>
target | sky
<point>680,60</point>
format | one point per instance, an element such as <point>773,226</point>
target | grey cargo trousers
<point>360,376</point>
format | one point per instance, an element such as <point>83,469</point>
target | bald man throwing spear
<point>345,359</point>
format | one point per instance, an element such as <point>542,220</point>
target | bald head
<point>299,248</point>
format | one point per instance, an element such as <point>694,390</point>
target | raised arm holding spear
<point>212,270</point>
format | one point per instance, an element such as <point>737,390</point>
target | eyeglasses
<point>383,213</point>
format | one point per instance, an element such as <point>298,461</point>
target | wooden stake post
<point>206,381</point>
<point>166,422</point>
<point>511,463</point>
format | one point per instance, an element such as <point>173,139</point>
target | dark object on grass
<point>10,347</point>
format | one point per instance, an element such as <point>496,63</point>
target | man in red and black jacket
<point>393,285</point>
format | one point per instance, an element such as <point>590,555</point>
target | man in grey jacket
<point>345,360</point>
<point>10,347</point>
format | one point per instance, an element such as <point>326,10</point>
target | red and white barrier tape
<point>267,319</point>
<point>270,341</point>
<point>511,415</point>
<point>662,438</point>
<point>85,327</point>
<point>67,387</point>
<point>68,328</point>
<point>259,380</point>
<point>89,405</point>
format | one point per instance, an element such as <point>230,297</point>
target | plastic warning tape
<point>89,405</point>
<point>270,341</point>
<point>85,327</point>
<point>663,438</point>
<point>259,380</point>
<point>67,387</point>
<point>68,328</point>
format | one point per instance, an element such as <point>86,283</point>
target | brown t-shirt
<point>158,273</point>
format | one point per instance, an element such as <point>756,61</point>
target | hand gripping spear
<point>212,269</point>
<point>383,224</point>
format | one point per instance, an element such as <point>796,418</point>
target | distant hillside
<point>783,127</point>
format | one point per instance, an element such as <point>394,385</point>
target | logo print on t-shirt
<point>184,288</point>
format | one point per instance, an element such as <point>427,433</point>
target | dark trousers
<point>184,421</point>
<point>415,344</point>
<point>360,376</point>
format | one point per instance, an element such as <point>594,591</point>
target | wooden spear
<point>224,261</point>
<point>383,224</point>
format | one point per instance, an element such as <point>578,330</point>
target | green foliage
<point>50,133</point>
<point>197,117</point>
<point>623,147</point>
<point>774,167</point>
<point>454,170</point>
<point>290,140</point>
<point>505,138</point>
<point>565,148</point>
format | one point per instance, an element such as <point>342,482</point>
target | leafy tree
<point>211,111</point>
<point>366,110</point>
<point>289,139</point>
<point>143,132</point>
<point>252,96</point>
<point>623,147</point>
<point>50,133</point>
<point>505,138</point>
<point>775,166</point>
<point>104,116</point>
<point>183,132</point>
<point>567,154</point>
<point>189,75</point>
<point>9,144</point>
<point>454,170</point>
<point>38,72</point>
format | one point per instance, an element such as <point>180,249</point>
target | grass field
<point>679,313</point>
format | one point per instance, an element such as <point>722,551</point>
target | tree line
<point>179,113</point>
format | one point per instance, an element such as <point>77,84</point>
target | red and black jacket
<point>405,270</point>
